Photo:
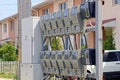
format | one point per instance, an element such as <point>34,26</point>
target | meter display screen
<point>66,12</point>
<point>74,10</point>
<point>66,55</point>
<point>42,18</point>
<point>75,55</point>
<point>47,17</point>
<point>53,55</point>
<point>41,55</point>
<point>59,14</point>
<point>48,55</point>
<point>53,16</point>
<point>59,55</point>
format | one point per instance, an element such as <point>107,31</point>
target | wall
<point>111,10</point>
<point>49,6</point>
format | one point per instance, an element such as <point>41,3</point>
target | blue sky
<point>9,7</point>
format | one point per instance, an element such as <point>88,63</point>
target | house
<point>110,16</point>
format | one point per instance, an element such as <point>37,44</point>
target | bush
<point>8,52</point>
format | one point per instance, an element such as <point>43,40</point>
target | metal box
<point>31,40</point>
<point>60,62</point>
<point>68,65</point>
<point>31,72</point>
<point>61,26</point>
<point>48,62</point>
<point>42,25</point>
<point>76,20</point>
<point>48,25</point>
<point>67,22</point>
<point>76,62</point>
<point>88,56</point>
<point>54,24</point>
<point>54,62</point>
<point>42,61</point>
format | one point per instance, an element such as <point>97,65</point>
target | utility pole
<point>24,10</point>
<point>99,41</point>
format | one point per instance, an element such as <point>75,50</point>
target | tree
<point>57,44</point>
<point>8,52</point>
<point>109,43</point>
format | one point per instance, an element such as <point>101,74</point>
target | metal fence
<point>8,67</point>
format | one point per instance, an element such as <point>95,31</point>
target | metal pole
<point>99,41</point>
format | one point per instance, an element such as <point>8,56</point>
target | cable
<point>75,41</point>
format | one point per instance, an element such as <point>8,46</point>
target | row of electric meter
<point>68,21</point>
<point>65,63</point>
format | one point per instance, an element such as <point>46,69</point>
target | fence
<point>8,67</point>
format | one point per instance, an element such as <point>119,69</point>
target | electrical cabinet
<point>31,40</point>
<point>31,72</point>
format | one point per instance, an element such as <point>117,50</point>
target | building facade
<point>110,16</point>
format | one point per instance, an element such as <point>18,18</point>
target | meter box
<point>88,56</point>
<point>88,9</point>
<point>54,62</point>
<point>68,65</point>
<point>54,24</point>
<point>48,24</point>
<point>42,25</point>
<point>60,62</point>
<point>61,26</point>
<point>66,18</point>
<point>48,62</point>
<point>42,61</point>
<point>76,20</point>
<point>76,62</point>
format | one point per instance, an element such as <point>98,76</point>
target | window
<point>5,28</point>
<point>116,1</point>
<point>111,57</point>
<point>63,6</point>
<point>12,26</point>
<point>46,11</point>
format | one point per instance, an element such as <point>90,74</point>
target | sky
<point>9,7</point>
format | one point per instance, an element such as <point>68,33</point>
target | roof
<point>43,3</point>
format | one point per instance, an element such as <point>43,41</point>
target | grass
<point>7,75</point>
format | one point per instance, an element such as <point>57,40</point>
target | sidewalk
<point>5,79</point>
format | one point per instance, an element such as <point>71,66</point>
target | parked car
<point>111,65</point>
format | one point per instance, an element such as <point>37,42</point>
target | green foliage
<point>109,43</point>
<point>57,44</point>
<point>8,52</point>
